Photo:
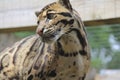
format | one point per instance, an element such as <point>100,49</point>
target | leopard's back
<point>14,58</point>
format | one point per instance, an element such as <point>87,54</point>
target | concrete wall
<point>18,13</point>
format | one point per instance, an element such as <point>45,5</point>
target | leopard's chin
<point>48,39</point>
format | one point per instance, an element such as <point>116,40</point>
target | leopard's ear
<point>37,13</point>
<point>66,4</point>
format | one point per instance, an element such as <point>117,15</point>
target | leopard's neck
<point>69,44</point>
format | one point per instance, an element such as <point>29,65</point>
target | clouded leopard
<point>59,50</point>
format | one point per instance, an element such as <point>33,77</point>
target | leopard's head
<point>55,20</point>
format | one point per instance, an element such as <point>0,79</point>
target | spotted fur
<point>59,50</point>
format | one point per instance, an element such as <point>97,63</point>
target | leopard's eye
<point>50,15</point>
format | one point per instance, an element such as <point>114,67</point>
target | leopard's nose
<point>40,31</point>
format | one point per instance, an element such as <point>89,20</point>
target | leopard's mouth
<point>47,37</point>
<point>50,35</point>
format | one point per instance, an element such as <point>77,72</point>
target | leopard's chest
<point>69,68</point>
